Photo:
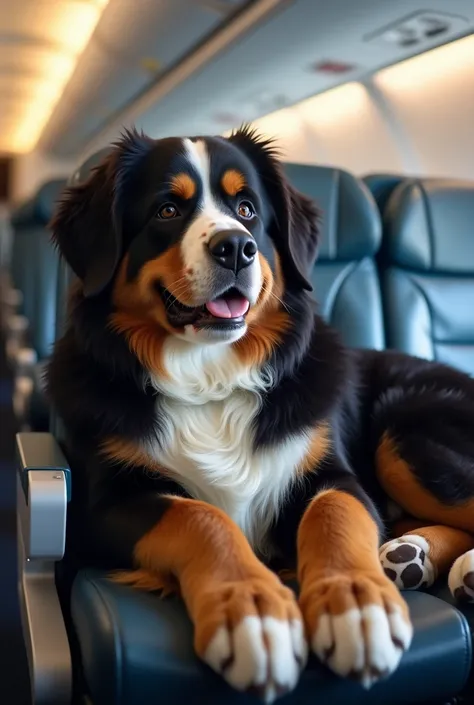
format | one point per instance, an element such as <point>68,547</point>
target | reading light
<point>37,91</point>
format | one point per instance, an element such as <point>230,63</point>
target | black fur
<point>295,222</point>
<point>99,388</point>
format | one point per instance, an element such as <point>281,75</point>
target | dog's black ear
<point>294,227</point>
<point>87,224</point>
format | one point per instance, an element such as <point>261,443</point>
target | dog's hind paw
<point>406,561</point>
<point>461,578</point>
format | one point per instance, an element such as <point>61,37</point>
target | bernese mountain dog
<point>220,433</point>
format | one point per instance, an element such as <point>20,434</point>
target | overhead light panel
<point>62,29</point>
<point>431,67</point>
<point>420,29</point>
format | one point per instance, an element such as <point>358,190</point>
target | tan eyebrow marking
<point>233,181</point>
<point>184,186</point>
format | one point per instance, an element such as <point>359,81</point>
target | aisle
<point>14,686</point>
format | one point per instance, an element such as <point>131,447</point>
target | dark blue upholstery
<point>136,647</point>
<point>381,186</point>
<point>345,278</point>
<point>428,270</point>
<point>34,264</point>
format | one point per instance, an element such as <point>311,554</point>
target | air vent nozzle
<point>419,28</point>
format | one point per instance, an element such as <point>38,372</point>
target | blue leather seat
<point>135,647</point>
<point>345,278</point>
<point>427,272</point>
<point>34,265</point>
<point>381,186</point>
<point>427,269</point>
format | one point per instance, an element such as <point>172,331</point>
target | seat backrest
<point>381,186</point>
<point>345,277</point>
<point>35,262</point>
<point>427,261</point>
<point>65,278</point>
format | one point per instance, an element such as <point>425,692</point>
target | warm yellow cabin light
<point>329,108</point>
<point>72,25</point>
<point>430,67</point>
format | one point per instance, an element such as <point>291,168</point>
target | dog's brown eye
<point>246,210</point>
<point>168,211</point>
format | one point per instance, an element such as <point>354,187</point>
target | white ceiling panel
<point>184,66</point>
<point>135,43</point>
<point>40,43</point>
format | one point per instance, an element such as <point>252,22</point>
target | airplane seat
<point>345,278</point>
<point>381,186</point>
<point>34,266</point>
<point>427,278</point>
<point>126,647</point>
<point>427,270</point>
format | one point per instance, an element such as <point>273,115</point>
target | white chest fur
<point>207,410</point>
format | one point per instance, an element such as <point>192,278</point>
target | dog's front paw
<point>251,632</point>
<point>461,578</point>
<point>357,623</point>
<point>406,561</point>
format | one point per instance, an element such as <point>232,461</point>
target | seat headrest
<point>82,172</point>
<point>350,226</point>
<point>430,225</point>
<point>381,186</point>
<point>39,209</point>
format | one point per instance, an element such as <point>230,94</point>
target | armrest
<point>45,483</point>
<point>43,490</point>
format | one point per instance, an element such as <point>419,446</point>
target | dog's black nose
<point>233,249</point>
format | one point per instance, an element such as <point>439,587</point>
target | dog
<point>220,431</point>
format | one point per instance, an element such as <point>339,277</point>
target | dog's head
<point>199,237</point>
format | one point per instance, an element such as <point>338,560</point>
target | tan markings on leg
<point>355,617</point>
<point>336,535</point>
<point>267,321</point>
<point>399,482</point>
<point>319,446</point>
<point>406,525</point>
<point>445,545</point>
<point>144,580</point>
<point>419,556</point>
<point>247,624</point>
<point>184,186</point>
<point>233,182</point>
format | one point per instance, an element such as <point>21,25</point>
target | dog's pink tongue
<point>228,308</point>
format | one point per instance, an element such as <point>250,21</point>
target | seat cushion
<point>428,270</point>
<point>345,279</point>
<point>440,589</point>
<point>136,647</point>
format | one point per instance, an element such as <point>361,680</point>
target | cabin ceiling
<point>187,66</point>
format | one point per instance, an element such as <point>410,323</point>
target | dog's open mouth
<point>227,310</point>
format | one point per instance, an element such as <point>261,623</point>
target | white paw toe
<point>461,578</point>
<point>261,654</point>
<point>365,643</point>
